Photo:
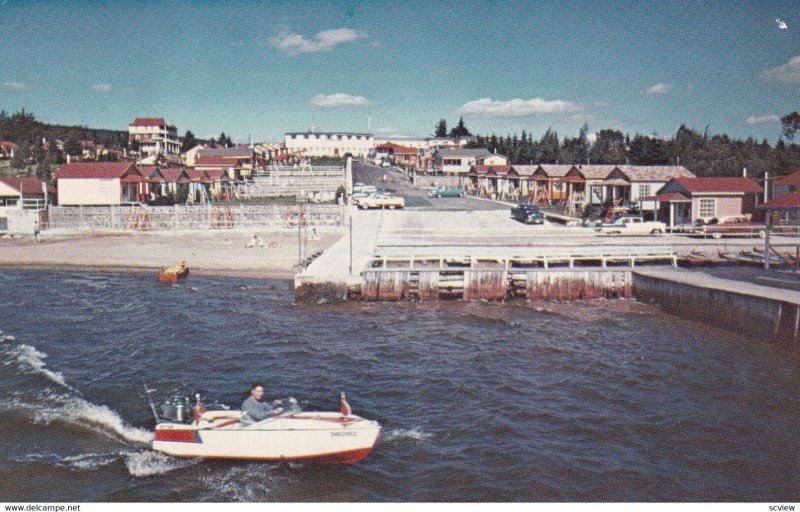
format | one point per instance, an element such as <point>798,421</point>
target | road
<point>416,198</point>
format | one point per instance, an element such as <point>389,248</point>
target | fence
<point>201,217</point>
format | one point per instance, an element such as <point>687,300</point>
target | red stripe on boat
<point>183,436</point>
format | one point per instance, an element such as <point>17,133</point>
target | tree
<point>441,129</point>
<point>459,130</point>
<point>72,146</point>
<point>791,124</point>
<point>21,157</point>
<point>189,141</point>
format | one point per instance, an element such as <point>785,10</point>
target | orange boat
<point>173,273</point>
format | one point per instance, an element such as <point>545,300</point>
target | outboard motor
<point>176,408</point>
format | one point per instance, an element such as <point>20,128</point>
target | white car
<point>381,201</point>
<point>631,225</point>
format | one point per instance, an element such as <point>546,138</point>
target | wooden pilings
<point>485,284</point>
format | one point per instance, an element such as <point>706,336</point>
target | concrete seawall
<point>763,312</point>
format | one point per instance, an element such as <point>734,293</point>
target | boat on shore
<point>288,435</point>
<point>173,273</point>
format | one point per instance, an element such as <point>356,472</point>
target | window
<point>644,191</point>
<point>707,208</point>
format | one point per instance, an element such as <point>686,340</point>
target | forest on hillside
<point>702,153</point>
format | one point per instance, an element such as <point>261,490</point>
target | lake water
<point>593,401</point>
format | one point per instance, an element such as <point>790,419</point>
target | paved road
<point>416,198</point>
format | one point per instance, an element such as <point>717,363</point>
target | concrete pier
<point>769,313</point>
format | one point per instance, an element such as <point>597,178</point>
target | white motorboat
<point>288,435</point>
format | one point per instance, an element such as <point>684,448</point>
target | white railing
<point>201,217</point>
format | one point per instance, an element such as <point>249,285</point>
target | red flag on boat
<point>346,411</point>
<point>198,409</point>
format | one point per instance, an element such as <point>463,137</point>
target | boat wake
<point>48,406</point>
<point>77,411</point>
<point>85,461</point>
<point>148,463</point>
<point>400,434</point>
<point>31,361</point>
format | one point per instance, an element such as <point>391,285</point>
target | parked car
<point>381,201</point>
<point>528,214</point>
<point>361,190</point>
<point>734,225</point>
<point>631,225</point>
<point>446,192</point>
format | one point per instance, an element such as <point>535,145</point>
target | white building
<point>459,161</point>
<point>154,136</point>
<point>100,183</point>
<point>329,143</point>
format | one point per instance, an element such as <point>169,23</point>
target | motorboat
<point>290,434</point>
<point>173,273</point>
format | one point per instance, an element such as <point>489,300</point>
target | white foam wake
<point>397,434</point>
<point>78,411</point>
<point>148,463</point>
<point>30,360</point>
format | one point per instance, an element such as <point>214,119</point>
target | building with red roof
<point>684,200</point>
<point>100,183</point>
<point>154,136</point>
<point>7,149</point>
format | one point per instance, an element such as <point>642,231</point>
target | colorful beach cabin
<point>100,183</point>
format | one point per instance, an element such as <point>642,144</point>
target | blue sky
<point>259,69</point>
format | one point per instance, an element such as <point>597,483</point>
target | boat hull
<point>304,437</point>
<point>171,277</point>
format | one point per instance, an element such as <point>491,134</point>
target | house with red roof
<point>7,149</point>
<point>100,183</point>
<point>154,136</point>
<point>398,153</point>
<point>785,185</point>
<point>684,200</point>
<point>16,193</point>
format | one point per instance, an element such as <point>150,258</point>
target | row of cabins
<point>586,184</point>
<point>115,183</point>
<point>671,194</point>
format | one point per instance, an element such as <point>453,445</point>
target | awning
<point>616,182</point>
<point>572,179</point>
<point>132,178</point>
<point>669,197</point>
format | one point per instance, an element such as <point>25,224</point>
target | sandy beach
<point>209,253</point>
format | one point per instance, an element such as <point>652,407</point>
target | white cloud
<point>487,107</point>
<point>788,73</point>
<point>15,86</point>
<point>101,87</point>
<point>771,118</point>
<point>295,44</point>
<point>658,89</point>
<point>339,99</point>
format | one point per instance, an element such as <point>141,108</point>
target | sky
<point>257,70</point>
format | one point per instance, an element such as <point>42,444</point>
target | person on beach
<point>255,407</point>
<point>36,234</point>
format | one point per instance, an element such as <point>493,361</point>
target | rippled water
<point>597,401</point>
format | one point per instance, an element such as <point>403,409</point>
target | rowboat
<point>289,435</point>
<point>173,273</point>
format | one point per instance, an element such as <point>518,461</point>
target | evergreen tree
<point>441,129</point>
<point>189,141</point>
<point>460,130</point>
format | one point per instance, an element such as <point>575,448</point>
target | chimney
<point>744,172</point>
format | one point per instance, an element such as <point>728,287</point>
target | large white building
<point>329,143</point>
<point>154,136</point>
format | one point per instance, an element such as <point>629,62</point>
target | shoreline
<point>223,254</point>
<point>274,274</point>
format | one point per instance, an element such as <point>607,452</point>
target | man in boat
<point>255,407</point>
